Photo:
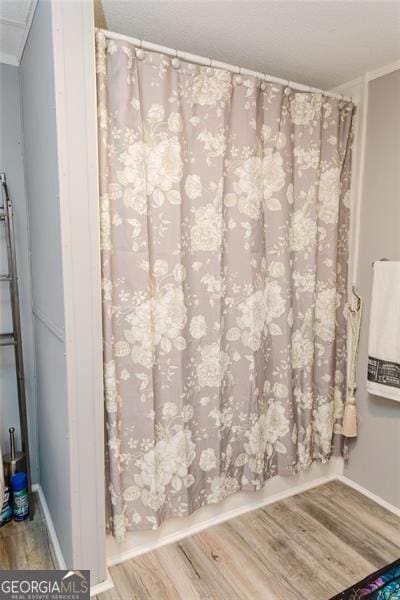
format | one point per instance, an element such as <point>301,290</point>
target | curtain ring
<point>263,84</point>
<point>139,52</point>
<point>175,62</point>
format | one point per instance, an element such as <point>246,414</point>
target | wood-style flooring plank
<point>25,545</point>
<point>308,547</point>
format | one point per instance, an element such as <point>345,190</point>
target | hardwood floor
<point>308,547</point>
<point>25,545</point>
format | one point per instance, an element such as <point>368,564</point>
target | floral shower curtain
<point>224,222</point>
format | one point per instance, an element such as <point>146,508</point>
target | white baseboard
<point>377,499</point>
<point>103,586</point>
<point>55,548</point>
<point>119,553</point>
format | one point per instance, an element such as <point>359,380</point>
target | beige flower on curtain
<point>212,367</point>
<point>207,231</point>
<point>274,301</point>
<point>302,350</point>
<point>258,179</point>
<point>329,187</point>
<point>303,230</point>
<point>198,327</point>
<point>249,187</point>
<point>158,321</point>
<point>208,460</point>
<point>305,108</point>
<point>111,397</point>
<point>325,314</point>
<point>253,319</point>
<point>210,88</point>
<point>151,169</point>
<point>273,173</point>
<point>165,464</point>
<point>322,426</point>
<point>264,436</point>
<point>193,186</point>
<point>221,487</point>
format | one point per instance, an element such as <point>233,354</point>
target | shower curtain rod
<point>208,62</point>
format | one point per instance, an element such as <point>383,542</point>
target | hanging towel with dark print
<point>384,332</point>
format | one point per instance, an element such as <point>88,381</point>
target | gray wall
<point>11,162</point>
<point>40,149</point>
<point>375,456</point>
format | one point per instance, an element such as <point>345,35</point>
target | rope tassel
<point>349,428</point>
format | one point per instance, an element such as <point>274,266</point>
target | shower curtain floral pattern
<point>224,222</point>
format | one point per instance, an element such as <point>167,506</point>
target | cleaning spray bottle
<point>19,484</point>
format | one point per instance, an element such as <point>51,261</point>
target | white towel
<point>384,332</point>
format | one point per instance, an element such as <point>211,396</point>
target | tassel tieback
<point>349,425</point>
<point>349,428</point>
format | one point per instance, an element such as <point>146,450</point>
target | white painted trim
<point>377,499</point>
<point>359,178</point>
<point>75,86</point>
<point>368,75</point>
<point>8,59</point>
<point>220,518</point>
<point>57,331</point>
<point>28,25</point>
<point>55,547</point>
<point>103,586</point>
<point>385,70</point>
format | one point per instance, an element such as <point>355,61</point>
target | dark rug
<point>381,585</point>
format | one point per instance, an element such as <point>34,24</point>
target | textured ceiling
<point>322,43</point>
<point>15,20</point>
